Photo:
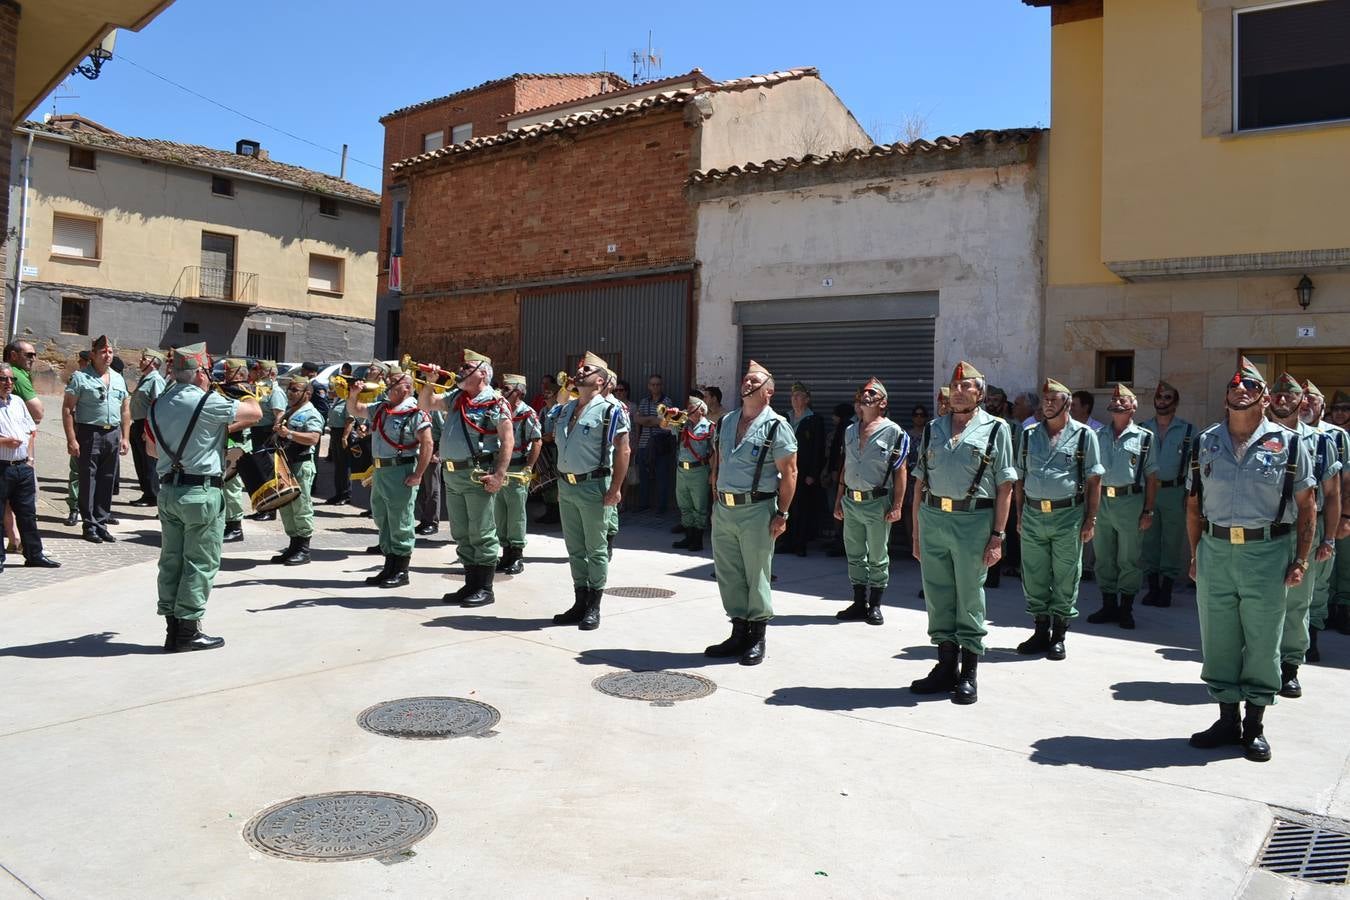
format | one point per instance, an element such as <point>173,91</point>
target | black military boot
<point>234,531</point>
<point>511,564</point>
<point>301,555</point>
<point>397,576</point>
<point>1165,596</point>
<point>190,637</point>
<point>1343,618</point>
<point>1039,642</point>
<point>482,594</point>
<point>965,692</point>
<point>1110,611</point>
<point>873,616</point>
<point>374,548</point>
<point>754,643</point>
<point>590,616</point>
<point>857,610</point>
<point>734,645</point>
<point>286,554</point>
<point>1289,686</point>
<point>269,516</point>
<point>384,571</point>
<point>1313,654</point>
<point>685,543</point>
<point>1154,591</point>
<point>1227,730</point>
<point>470,585</point>
<point>943,677</point>
<point>578,609</point>
<point>696,540</point>
<point>1254,744</point>
<point>170,634</point>
<point>1127,611</point>
<point>1059,625</point>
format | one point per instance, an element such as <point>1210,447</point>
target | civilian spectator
<point>1080,408</point>
<point>18,483</point>
<point>656,449</point>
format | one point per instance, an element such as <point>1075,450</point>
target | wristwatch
<point>781,514</point>
<point>1302,564</point>
<point>1147,512</point>
<point>998,534</point>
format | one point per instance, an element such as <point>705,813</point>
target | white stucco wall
<point>972,235</point>
<point>790,118</point>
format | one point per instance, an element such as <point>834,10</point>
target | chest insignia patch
<point>1273,444</point>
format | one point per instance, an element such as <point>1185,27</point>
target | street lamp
<point>1304,290</point>
<point>98,56</point>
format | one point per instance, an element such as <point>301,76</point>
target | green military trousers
<point>951,547</point>
<point>585,523</point>
<point>192,523</point>
<point>234,499</point>
<point>472,523</point>
<point>1340,574</point>
<point>1052,559</point>
<point>297,517</point>
<point>391,504</point>
<point>1298,603</point>
<point>509,513</point>
<point>692,496</point>
<point>866,535</point>
<point>1117,544</point>
<point>743,559</point>
<point>1164,544</point>
<point>1242,601</point>
<point>73,485</point>
<point>1322,574</point>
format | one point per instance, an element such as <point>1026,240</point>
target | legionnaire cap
<point>1313,390</point>
<point>299,381</point>
<point>152,353</point>
<point>394,373</point>
<point>876,386</point>
<point>267,365</point>
<point>591,361</point>
<point>1052,386</point>
<point>1287,384</point>
<point>376,366</point>
<point>1121,392</point>
<point>235,363</point>
<point>1247,369</point>
<point>193,356</point>
<point>965,370</point>
<point>696,403</point>
<point>800,388</point>
<point>610,376</point>
<point>946,391</point>
<point>474,358</point>
<point>1165,386</point>
<point>756,367</point>
<point>1341,397</point>
<point>515,381</point>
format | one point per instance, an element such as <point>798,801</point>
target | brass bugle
<point>409,365</point>
<point>476,476</point>
<point>369,390</point>
<point>673,415</point>
<point>565,383</point>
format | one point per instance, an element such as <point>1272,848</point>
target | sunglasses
<point>6,377</point>
<point>1250,384</point>
<point>32,355</point>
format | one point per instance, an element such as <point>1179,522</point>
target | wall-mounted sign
<point>1307,331</point>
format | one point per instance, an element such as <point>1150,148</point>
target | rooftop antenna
<point>645,64</point>
<point>62,92</point>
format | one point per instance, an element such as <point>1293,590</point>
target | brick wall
<point>436,329</point>
<point>9,50</point>
<point>535,92</point>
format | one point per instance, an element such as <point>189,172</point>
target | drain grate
<point>1307,852</point>
<point>340,826</point>
<point>643,593</point>
<point>660,688</point>
<point>425,718</point>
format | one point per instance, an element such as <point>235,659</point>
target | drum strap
<point>176,458</point>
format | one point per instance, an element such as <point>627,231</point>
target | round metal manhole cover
<point>661,688</point>
<point>644,593</point>
<point>430,718</point>
<point>340,826</point>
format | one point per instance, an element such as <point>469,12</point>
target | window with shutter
<point>461,133</point>
<point>1293,64</point>
<point>325,274</point>
<point>74,237</point>
<point>433,140</point>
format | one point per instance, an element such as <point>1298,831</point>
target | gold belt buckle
<point>729,499</point>
<point>449,466</point>
<point>1237,535</point>
<point>946,504</point>
<point>1047,505</point>
<point>571,479</point>
<point>857,496</point>
<point>1111,492</point>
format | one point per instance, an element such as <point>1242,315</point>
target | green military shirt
<point>1326,459</point>
<point>1049,469</point>
<point>148,388</point>
<point>394,430</point>
<point>338,415</point>
<point>170,416</point>
<point>437,427</point>
<point>695,442</point>
<point>866,466</point>
<point>95,403</point>
<point>947,467</point>
<point>470,428</point>
<point>1245,493</point>
<point>587,444</point>
<point>23,385</point>
<point>1173,449</point>
<point>1126,459</point>
<point>275,402</point>
<point>736,463</point>
<point>305,419</point>
<point>525,424</point>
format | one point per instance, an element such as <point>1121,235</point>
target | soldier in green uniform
<point>509,509</point>
<point>1338,609</point>
<point>695,448</point>
<point>96,414</point>
<point>870,499</point>
<point>620,409</point>
<point>476,446</point>
<point>429,492</point>
<point>237,442</point>
<point>996,404</point>
<point>1250,517</point>
<point>400,443</point>
<point>1129,492</point>
<point>299,429</point>
<point>1336,531</point>
<point>751,511</point>
<point>1286,398</point>
<point>273,402</point>
<point>1162,559</point>
<point>188,423</point>
<point>591,435</point>
<point>337,447</point>
<point>1057,498</point>
<point>964,476</point>
<point>147,389</point>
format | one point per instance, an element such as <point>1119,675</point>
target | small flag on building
<point>396,273</point>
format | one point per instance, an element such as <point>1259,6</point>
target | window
<point>265,344</point>
<point>192,328</point>
<point>1115,367</point>
<point>83,158</point>
<point>461,133</point>
<point>1292,64</point>
<point>74,315</point>
<point>328,206</point>
<point>222,186</point>
<point>433,140</point>
<point>325,274</point>
<point>392,337</point>
<point>74,237</point>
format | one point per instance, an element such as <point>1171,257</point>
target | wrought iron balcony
<point>218,285</point>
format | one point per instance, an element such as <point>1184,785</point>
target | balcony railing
<point>226,285</point>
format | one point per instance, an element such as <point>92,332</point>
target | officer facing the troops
<point>509,505</point>
<point>1161,558</point>
<point>692,457</point>
<point>591,435</point>
<point>1057,497</point>
<point>1338,610</point>
<point>273,402</point>
<point>963,493</point>
<point>1250,517</point>
<point>1130,490</point>
<point>1286,398</point>
<point>149,387</point>
<point>476,445</point>
<point>754,477</point>
<point>400,443</point>
<point>96,414</point>
<point>237,443</point>
<point>869,500</point>
<point>188,423</point>
<point>1310,412</point>
<point>300,429</point>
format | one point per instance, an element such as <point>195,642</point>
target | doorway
<point>1328,368</point>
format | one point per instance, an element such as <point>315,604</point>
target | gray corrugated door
<point>638,327</point>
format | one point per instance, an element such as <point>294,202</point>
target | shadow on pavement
<point>487,623</point>
<point>378,601</point>
<point>1176,693</point>
<point>300,584</point>
<point>844,699</point>
<point>1124,754</point>
<point>89,645</point>
<point>808,620</point>
<point>1179,654</point>
<point>928,653</point>
<point>648,660</point>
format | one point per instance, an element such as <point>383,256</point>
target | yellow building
<point>1198,175</point>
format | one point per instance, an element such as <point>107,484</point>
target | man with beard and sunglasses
<point>1161,558</point>
<point>1298,643</point>
<point>1129,491</point>
<point>1310,412</point>
<point>1338,610</point>
<point>964,476</point>
<point>1250,517</point>
<point>591,434</point>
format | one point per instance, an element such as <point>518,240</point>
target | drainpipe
<point>12,329</point>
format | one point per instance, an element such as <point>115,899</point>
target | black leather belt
<point>947,504</point>
<point>1046,506</point>
<point>1243,535</point>
<point>1175,482</point>
<point>1123,491</point>
<point>6,463</point>
<point>192,480</point>
<point>101,429</point>
<point>456,465</point>
<point>394,461</point>
<point>861,496</point>
<point>726,498</point>
<point>585,476</point>
<point>692,465</point>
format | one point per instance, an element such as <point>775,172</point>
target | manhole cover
<point>661,688</point>
<point>340,826</point>
<point>1308,852</point>
<point>647,593</point>
<point>428,718</point>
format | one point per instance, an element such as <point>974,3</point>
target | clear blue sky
<point>326,71</point>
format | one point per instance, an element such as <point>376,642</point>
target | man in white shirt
<point>18,483</point>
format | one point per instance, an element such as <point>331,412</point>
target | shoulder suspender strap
<point>764,452</point>
<point>1185,446</point>
<point>1081,459</point>
<point>610,413</point>
<point>985,459</point>
<point>475,447</point>
<point>892,459</point>
<point>1320,462</point>
<point>1197,484</point>
<point>1145,442</point>
<point>176,458</point>
<point>1290,469</point>
<point>1025,441</point>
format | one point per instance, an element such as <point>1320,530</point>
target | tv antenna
<point>647,64</point>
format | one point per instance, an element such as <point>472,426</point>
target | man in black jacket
<point>812,449</point>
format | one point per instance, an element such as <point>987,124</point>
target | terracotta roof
<point>494,82</point>
<point>84,131</point>
<point>696,75</point>
<point>665,99</point>
<point>839,159</point>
